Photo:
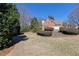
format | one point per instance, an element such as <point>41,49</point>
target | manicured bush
<point>71,31</point>
<point>45,33</point>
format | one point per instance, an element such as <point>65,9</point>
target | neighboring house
<point>50,23</point>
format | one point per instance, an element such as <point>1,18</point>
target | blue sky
<point>43,10</point>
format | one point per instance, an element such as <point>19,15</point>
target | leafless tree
<point>74,17</point>
<point>25,16</point>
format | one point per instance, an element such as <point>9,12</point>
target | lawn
<point>38,45</point>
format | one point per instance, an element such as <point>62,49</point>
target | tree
<point>34,24</point>
<point>9,24</point>
<point>74,17</point>
<point>25,16</point>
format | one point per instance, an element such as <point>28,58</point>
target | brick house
<point>50,23</point>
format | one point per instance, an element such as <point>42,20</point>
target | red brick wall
<point>49,23</point>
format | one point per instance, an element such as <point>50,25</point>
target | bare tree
<point>25,16</point>
<point>74,17</point>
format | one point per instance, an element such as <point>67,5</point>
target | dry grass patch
<point>40,45</point>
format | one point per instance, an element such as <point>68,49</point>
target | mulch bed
<point>4,52</point>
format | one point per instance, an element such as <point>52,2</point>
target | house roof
<point>58,23</point>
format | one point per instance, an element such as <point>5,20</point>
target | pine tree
<point>34,24</point>
<point>9,24</point>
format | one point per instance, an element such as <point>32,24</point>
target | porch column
<point>43,25</point>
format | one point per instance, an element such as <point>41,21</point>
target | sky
<point>42,10</point>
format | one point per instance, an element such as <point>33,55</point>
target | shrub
<point>36,29</point>
<point>34,25</point>
<point>26,29</point>
<point>61,29</point>
<point>71,31</point>
<point>45,33</point>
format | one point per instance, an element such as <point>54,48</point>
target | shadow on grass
<point>68,33</point>
<point>18,38</point>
